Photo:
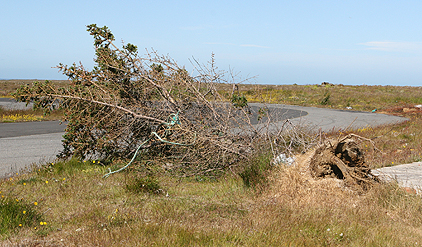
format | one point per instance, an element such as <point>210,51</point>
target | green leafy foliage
<point>239,101</point>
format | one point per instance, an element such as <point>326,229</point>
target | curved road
<point>34,143</point>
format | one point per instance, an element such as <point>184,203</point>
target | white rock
<point>282,158</point>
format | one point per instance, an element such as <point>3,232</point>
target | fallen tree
<point>148,104</point>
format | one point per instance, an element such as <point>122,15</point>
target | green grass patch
<point>72,167</point>
<point>255,174</point>
<point>147,184</point>
<point>16,214</point>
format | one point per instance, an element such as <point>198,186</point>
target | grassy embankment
<point>70,204</point>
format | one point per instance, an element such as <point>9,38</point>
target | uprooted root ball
<point>342,159</point>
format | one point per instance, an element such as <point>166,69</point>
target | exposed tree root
<point>343,159</point>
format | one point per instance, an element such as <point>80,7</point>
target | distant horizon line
<point>304,84</point>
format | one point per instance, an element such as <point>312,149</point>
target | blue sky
<point>279,42</point>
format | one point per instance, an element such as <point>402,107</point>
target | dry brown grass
<point>399,144</point>
<point>325,213</point>
<point>83,209</point>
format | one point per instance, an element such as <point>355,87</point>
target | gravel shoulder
<point>407,175</point>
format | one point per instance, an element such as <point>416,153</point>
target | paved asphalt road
<point>11,104</point>
<point>328,119</point>
<point>25,144</point>
<point>30,128</point>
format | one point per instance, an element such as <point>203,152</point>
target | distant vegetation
<point>7,87</point>
<point>345,97</point>
<point>359,98</point>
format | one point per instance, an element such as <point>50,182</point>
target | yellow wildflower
<point>35,203</point>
